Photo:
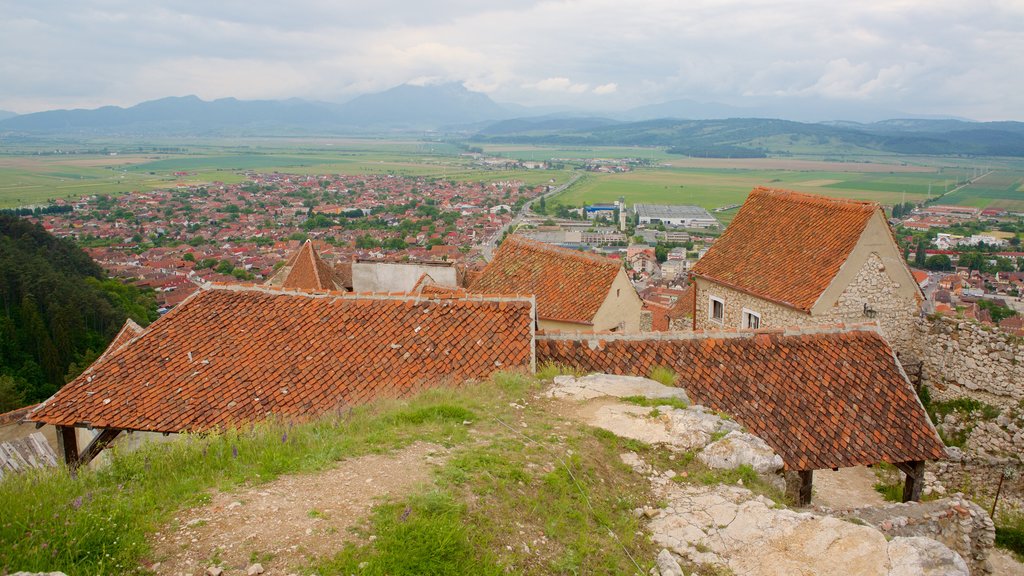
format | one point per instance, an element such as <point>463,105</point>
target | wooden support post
<point>101,441</point>
<point>915,479</point>
<point>67,445</point>
<point>806,485</point>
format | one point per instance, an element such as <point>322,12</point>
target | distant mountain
<point>404,107</point>
<point>755,136</point>
<point>4,114</point>
<point>546,124</point>
<point>687,110</point>
<point>421,106</point>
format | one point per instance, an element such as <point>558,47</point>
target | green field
<point>36,175</point>
<point>30,177</point>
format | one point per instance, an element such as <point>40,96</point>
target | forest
<point>58,311</point>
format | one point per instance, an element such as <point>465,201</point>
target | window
<point>716,309</point>
<point>751,319</point>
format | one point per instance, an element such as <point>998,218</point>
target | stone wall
<point>896,315</point>
<point>956,522</point>
<point>964,358</point>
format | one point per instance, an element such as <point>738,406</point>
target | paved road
<point>524,212</point>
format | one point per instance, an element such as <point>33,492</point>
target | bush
<point>665,375</point>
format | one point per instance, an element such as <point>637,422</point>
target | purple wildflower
<point>234,451</point>
<point>284,437</point>
<point>76,503</point>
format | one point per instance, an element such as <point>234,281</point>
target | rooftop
<point>570,286</point>
<point>307,271</point>
<point>821,397</point>
<point>671,211</point>
<point>786,246</point>
<point>232,355</point>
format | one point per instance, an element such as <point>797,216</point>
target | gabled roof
<point>786,246</point>
<point>820,397</point>
<point>129,331</point>
<point>232,355</point>
<point>305,270</point>
<point>570,285</point>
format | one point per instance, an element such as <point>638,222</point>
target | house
<point>792,259</point>
<point>305,270</point>
<point>576,292</point>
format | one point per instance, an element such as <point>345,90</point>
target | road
<point>524,212</point>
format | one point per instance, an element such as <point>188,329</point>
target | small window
<point>751,319</point>
<point>716,309</point>
<point>618,292</point>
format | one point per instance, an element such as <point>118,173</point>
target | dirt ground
<point>846,488</point>
<point>285,523</point>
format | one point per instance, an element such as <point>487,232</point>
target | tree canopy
<point>58,311</point>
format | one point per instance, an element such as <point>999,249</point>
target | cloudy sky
<point>961,58</point>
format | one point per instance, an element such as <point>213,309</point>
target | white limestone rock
<point>667,565</point>
<point>920,556</point>
<point>598,385</point>
<point>739,448</point>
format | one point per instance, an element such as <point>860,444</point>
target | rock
<point>667,565</point>
<point>214,571</point>
<point>255,569</point>
<point>597,385</point>
<point>739,448</point>
<point>920,556</point>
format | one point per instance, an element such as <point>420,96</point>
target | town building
<point>674,215</point>
<point>791,259</point>
<point>576,292</point>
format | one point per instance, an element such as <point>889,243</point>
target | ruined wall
<point>956,522</point>
<point>964,358</point>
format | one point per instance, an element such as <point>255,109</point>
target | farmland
<point>36,175</point>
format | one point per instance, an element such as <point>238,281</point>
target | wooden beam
<point>67,446</point>
<point>101,441</point>
<point>806,486</point>
<point>915,480</point>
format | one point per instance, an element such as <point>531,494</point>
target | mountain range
<point>686,126</point>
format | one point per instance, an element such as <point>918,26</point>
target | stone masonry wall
<point>965,358</point>
<point>956,522</point>
<point>897,317</point>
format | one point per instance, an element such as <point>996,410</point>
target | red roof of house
<point>919,275</point>
<point>570,286</point>
<point>305,270</point>
<point>786,246</point>
<point>820,397</point>
<point>232,355</point>
<point>129,331</point>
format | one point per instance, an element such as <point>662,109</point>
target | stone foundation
<point>956,522</point>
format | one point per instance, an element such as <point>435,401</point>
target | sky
<point>926,57</point>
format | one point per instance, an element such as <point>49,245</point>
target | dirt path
<point>285,523</point>
<point>846,488</point>
<point>1004,564</point>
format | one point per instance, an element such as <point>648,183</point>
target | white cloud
<point>907,55</point>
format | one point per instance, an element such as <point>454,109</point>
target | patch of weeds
<point>424,534</point>
<point>855,520</point>
<point>256,557</point>
<point>1010,532</point>
<point>656,402</point>
<point>716,436</point>
<point>664,375</point>
<point>314,513</point>
<point>890,492</point>
<point>439,413</point>
<point>965,406</point>
<point>654,413</point>
<point>548,371</point>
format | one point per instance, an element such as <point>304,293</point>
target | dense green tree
<point>938,262</point>
<point>920,256</point>
<point>56,309</point>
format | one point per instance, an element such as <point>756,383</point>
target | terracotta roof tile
<point>821,398</point>
<point>232,355</point>
<point>786,246</point>
<point>306,270</point>
<point>570,286</point>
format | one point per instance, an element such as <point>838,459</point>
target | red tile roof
<point>570,286</point>
<point>128,332</point>
<point>786,246</point>
<point>233,355</point>
<point>821,398</point>
<point>305,270</point>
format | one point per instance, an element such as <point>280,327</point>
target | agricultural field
<point>41,175</point>
<point>714,183</point>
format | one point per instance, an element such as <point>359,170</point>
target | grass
<point>665,376</point>
<point>1010,532</point>
<point>971,411</point>
<point>548,371</point>
<point>656,402</point>
<point>98,524</point>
